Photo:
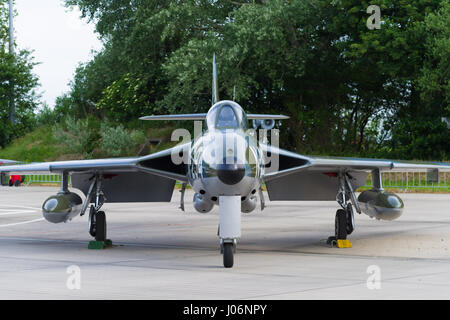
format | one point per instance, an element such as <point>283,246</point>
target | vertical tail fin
<point>215,87</point>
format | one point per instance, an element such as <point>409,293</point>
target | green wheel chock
<point>96,245</point>
<point>332,241</point>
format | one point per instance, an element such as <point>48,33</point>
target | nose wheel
<point>228,254</point>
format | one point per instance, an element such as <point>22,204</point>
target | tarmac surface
<point>163,253</point>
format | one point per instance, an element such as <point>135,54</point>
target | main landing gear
<point>97,224</point>
<point>97,218</point>
<point>344,222</point>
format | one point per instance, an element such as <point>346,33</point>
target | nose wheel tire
<point>228,255</point>
<point>340,224</point>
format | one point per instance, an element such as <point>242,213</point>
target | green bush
<point>117,141</point>
<point>76,136</point>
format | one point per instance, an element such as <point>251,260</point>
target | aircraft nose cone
<point>230,173</point>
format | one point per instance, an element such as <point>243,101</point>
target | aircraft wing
<point>4,162</point>
<point>298,177</point>
<point>140,179</point>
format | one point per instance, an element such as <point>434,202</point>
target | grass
<point>411,190</point>
<point>38,145</point>
<point>397,183</point>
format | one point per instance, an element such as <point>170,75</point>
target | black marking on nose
<point>230,173</point>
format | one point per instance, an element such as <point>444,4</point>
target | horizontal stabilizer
<point>202,116</point>
<point>253,116</point>
<point>188,116</point>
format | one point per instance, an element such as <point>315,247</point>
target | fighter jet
<point>226,166</point>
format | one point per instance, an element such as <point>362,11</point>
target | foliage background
<point>349,90</point>
<point>16,81</point>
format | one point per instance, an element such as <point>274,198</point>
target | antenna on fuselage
<point>215,87</point>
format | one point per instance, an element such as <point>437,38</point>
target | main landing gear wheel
<point>100,221</point>
<point>340,225</point>
<point>228,252</point>
<point>97,224</point>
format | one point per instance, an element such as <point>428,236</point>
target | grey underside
<point>129,187</point>
<point>309,185</point>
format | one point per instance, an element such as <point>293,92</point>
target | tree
<point>348,89</point>
<point>419,131</point>
<point>16,81</point>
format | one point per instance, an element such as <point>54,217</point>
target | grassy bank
<point>38,145</point>
<point>42,145</point>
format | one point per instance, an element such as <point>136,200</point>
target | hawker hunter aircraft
<point>225,166</point>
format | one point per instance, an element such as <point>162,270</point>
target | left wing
<point>149,178</point>
<point>298,177</point>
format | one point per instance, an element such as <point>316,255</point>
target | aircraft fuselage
<point>225,160</point>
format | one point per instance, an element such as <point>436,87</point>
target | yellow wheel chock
<point>343,243</point>
<point>340,243</point>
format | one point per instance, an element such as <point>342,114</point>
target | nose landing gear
<point>229,227</point>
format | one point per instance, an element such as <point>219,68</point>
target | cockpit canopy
<point>226,115</point>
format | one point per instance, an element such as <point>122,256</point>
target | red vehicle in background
<point>16,180</point>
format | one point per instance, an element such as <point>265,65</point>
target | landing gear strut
<point>344,221</point>
<point>97,218</point>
